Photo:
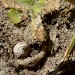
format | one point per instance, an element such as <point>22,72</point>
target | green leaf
<point>14,16</point>
<point>26,1</point>
<point>37,7</point>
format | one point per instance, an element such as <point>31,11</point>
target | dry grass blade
<point>69,49</point>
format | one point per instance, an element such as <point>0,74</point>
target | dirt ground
<point>60,27</point>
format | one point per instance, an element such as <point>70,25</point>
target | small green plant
<point>34,7</point>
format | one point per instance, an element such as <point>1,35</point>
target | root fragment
<point>30,61</point>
